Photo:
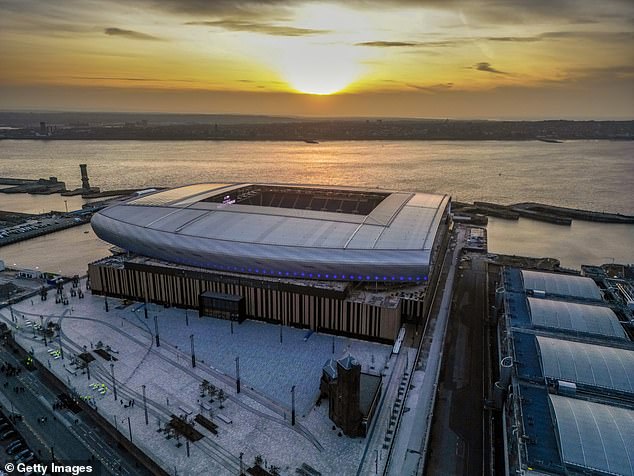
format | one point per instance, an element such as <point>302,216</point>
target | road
<point>65,434</point>
<point>456,438</point>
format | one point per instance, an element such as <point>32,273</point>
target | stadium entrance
<point>222,306</point>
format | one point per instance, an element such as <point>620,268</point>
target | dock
<point>537,211</point>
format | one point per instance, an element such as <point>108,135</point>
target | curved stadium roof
<point>561,285</point>
<point>607,368</point>
<point>589,319</point>
<point>307,232</point>
<point>593,436</point>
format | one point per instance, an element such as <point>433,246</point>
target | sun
<point>319,69</point>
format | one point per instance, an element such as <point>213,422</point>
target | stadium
<point>346,260</point>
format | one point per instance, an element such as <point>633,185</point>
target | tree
<point>221,397</point>
<point>259,460</point>
<point>204,385</point>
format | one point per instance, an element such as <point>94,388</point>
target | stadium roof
<point>584,318</point>
<point>561,285</point>
<point>594,436</point>
<point>307,232</point>
<point>598,366</point>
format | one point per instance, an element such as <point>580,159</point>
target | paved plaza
<point>254,422</point>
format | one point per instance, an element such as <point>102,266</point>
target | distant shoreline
<point>316,141</point>
<point>312,132</point>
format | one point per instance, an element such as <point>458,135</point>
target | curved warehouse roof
<point>598,366</point>
<point>599,320</point>
<point>594,436</point>
<point>561,285</point>
<point>316,232</point>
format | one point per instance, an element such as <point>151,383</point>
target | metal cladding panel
<point>427,200</point>
<point>592,365</point>
<point>255,258</point>
<point>593,436</point>
<point>365,237</point>
<point>599,320</point>
<point>274,230</point>
<point>214,189</point>
<point>246,210</point>
<point>561,284</point>
<point>169,196</point>
<point>409,230</point>
<point>176,218</point>
<point>141,216</point>
<point>385,211</point>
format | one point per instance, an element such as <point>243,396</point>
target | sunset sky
<point>430,58</point>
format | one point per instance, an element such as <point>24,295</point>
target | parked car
<point>16,449</point>
<point>13,443</point>
<point>30,458</point>
<point>8,434</point>
<point>22,454</point>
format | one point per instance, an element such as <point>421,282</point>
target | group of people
<point>10,370</point>
<point>129,404</point>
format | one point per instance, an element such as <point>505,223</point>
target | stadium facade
<point>337,259</point>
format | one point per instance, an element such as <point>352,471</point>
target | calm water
<point>595,175</point>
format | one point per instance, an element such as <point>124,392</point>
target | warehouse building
<point>566,377</point>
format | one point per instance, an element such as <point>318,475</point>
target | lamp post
<point>293,405</point>
<point>145,405</point>
<point>114,382</point>
<point>191,339</point>
<point>156,332</point>
<point>237,374</point>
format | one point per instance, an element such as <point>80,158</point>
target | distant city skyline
<point>518,59</point>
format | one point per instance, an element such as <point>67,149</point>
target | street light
<point>145,405</point>
<point>114,382</point>
<point>191,339</point>
<point>293,405</point>
<point>237,374</point>
<point>61,347</point>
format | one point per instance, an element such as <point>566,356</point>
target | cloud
<point>519,39</point>
<point>624,70</point>
<point>555,35</point>
<point>258,27</point>
<point>484,66</point>
<point>410,44</point>
<point>131,34</point>
<point>433,88</point>
<point>133,79</point>
<point>387,44</point>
